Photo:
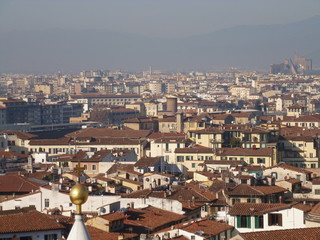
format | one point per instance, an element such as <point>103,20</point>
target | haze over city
<point>182,35</point>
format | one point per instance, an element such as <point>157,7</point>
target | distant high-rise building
<point>303,64</point>
<point>299,65</point>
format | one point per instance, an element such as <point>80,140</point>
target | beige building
<point>68,145</point>
<point>151,109</point>
<point>209,137</point>
<point>242,92</point>
<point>45,88</point>
<point>306,121</point>
<point>299,151</point>
<point>191,158</point>
<point>259,156</point>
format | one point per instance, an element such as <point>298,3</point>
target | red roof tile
<point>292,234</point>
<point>256,208</point>
<point>27,222</point>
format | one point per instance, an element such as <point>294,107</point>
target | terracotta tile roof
<point>192,192</point>
<point>12,155</point>
<point>308,118</point>
<point>109,133</point>
<point>303,207</point>
<point>59,141</point>
<point>267,190</point>
<point>167,119</point>
<point>94,141</point>
<point>295,106</point>
<point>292,234</point>
<point>147,162</point>
<point>245,190</point>
<point>206,227</point>
<point>159,135</point>
<point>13,183</point>
<point>21,135</point>
<point>98,95</point>
<point>208,130</point>
<point>102,177</point>
<point>209,175</point>
<point>97,234</point>
<point>316,209</point>
<point>221,116</point>
<point>293,180</point>
<point>96,157</point>
<point>145,193</point>
<point>140,120</point>
<point>129,181</point>
<point>244,152</point>
<point>113,216</point>
<point>256,208</point>
<point>217,185</point>
<point>130,170</point>
<point>151,218</point>
<point>27,222</point>
<point>292,168</point>
<point>118,166</point>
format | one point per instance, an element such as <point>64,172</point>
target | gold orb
<point>79,194</point>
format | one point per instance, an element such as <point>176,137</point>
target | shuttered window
<point>275,219</point>
<point>258,221</point>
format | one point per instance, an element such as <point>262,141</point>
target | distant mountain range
<point>75,50</point>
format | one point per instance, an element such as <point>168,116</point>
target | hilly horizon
<point>249,47</point>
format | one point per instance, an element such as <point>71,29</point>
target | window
<point>251,160</point>
<point>94,167</point>
<point>311,155</point>
<point>313,165</point>
<point>244,221</point>
<point>26,238</point>
<point>317,191</point>
<point>46,202</point>
<point>50,237</point>
<point>199,136</point>
<point>261,160</point>
<point>298,176</point>
<point>258,221</point>
<point>85,167</point>
<point>193,165</point>
<point>180,158</point>
<point>275,219</point>
<point>178,145</point>
<point>251,200</point>
<point>167,146</point>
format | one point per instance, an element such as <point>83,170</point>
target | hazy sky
<point>73,35</point>
<point>166,18</point>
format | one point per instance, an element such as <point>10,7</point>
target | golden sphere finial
<point>78,196</point>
